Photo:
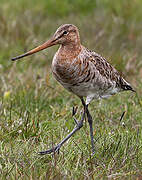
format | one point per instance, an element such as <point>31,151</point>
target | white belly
<point>90,91</point>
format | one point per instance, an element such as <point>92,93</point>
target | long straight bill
<point>37,49</point>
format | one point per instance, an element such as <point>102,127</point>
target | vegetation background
<point>36,112</point>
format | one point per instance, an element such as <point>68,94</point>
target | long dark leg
<point>90,121</point>
<point>58,146</point>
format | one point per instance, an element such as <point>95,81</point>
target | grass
<point>36,112</point>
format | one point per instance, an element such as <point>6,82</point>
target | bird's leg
<point>90,121</point>
<point>58,146</point>
<point>74,110</point>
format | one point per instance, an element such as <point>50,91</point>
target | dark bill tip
<point>14,59</point>
<point>19,57</point>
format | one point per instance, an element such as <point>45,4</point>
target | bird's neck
<point>70,50</point>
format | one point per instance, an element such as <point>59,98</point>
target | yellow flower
<point>6,94</point>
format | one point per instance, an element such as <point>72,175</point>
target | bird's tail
<point>125,85</point>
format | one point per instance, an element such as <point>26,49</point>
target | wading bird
<point>82,72</point>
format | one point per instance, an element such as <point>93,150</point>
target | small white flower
<point>20,123</point>
<point>19,131</point>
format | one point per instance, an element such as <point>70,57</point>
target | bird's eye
<point>65,32</point>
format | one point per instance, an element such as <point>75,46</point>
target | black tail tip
<point>128,88</point>
<point>13,59</point>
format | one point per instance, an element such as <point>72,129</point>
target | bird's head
<point>65,34</point>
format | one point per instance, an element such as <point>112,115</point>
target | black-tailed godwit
<point>82,72</point>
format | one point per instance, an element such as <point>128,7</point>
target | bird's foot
<point>52,150</point>
<point>58,146</point>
